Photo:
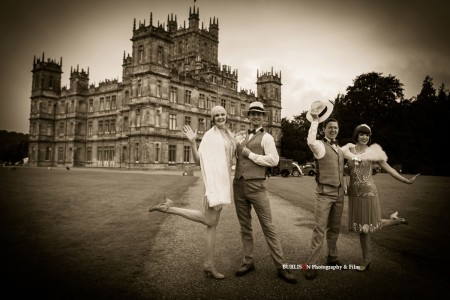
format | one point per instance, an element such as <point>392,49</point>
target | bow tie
<point>332,142</point>
<point>254,131</point>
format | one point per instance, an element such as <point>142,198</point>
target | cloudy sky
<point>320,46</point>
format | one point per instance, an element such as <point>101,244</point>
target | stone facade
<point>172,78</point>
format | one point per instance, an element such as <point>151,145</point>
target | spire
<point>134,24</point>
<point>60,61</point>
<point>151,19</point>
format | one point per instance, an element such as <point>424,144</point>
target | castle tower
<point>269,91</point>
<point>45,92</point>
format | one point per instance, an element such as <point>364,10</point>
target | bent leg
<point>190,214</point>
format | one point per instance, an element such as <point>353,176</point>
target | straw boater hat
<point>322,108</point>
<point>255,106</point>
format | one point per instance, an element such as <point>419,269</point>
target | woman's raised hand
<point>189,133</point>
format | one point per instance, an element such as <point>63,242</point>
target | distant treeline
<point>13,146</point>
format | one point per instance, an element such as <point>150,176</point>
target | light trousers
<point>328,214</point>
<point>248,194</point>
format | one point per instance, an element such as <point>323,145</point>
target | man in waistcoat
<point>256,151</point>
<point>330,185</point>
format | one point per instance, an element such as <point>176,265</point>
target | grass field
<point>69,230</point>
<point>88,231</point>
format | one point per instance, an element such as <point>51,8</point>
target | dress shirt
<point>317,147</point>
<point>270,158</point>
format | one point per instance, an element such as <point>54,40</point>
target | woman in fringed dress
<point>363,206</point>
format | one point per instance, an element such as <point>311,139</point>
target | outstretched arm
<point>391,171</point>
<point>192,136</point>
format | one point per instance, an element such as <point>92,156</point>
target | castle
<point>173,78</point>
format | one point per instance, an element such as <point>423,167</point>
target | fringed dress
<point>364,214</point>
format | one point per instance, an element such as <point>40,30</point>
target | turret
<point>194,18</point>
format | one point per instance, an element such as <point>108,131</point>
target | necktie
<point>332,142</point>
<point>251,131</point>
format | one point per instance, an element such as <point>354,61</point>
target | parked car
<point>284,168</point>
<point>309,169</point>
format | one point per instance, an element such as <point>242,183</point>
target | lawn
<point>65,231</point>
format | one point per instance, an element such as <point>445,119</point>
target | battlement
<point>51,64</point>
<point>268,77</point>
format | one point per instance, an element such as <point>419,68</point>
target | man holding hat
<point>330,185</point>
<point>256,151</point>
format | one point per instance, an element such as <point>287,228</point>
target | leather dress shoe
<point>244,269</point>
<point>311,274</point>
<point>336,262</point>
<point>286,276</point>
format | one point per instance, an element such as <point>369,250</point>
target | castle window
<point>213,101</point>
<point>157,152</point>
<point>276,94</point>
<point>158,89</point>
<point>60,154</point>
<point>106,126</point>
<point>141,53</point>
<point>136,152</point>
<point>232,108</point>
<point>201,101</point>
<point>113,102</point>
<point>100,127</point>
<point>187,154</point>
<point>213,79</point>
<point>61,128</point>
<point>139,89</point>
<point>158,117</point>
<point>89,128</point>
<point>173,122</point>
<point>124,153</point>
<point>187,120</point>
<point>180,47</point>
<point>173,95</point>
<point>223,102</point>
<point>242,110</point>
<point>89,154</point>
<point>172,154</point>
<point>160,54</point>
<point>187,97</point>
<point>48,151</point>
<point>49,107</point>
<point>126,125</point>
<point>108,103</point>
<point>201,125</point>
<point>91,105</point>
<point>138,118</point>
<point>112,127</point>
<point>49,129</point>
<point>102,104</point>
